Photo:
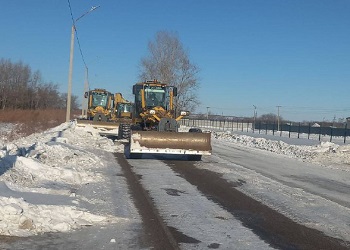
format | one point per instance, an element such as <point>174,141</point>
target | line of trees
<point>22,89</point>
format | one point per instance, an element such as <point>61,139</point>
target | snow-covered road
<point>325,182</point>
<point>310,194</point>
<point>66,178</point>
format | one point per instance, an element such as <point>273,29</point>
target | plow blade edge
<point>98,124</point>
<point>154,142</point>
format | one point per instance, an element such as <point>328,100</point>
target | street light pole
<point>69,92</point>
<point>86,89</point>
<point>208,113</point>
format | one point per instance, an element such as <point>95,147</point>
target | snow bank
<point>20,218</point>
<point>54,163</point>
<point>326,153</point>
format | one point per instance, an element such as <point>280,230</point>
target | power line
<point>76,34</point>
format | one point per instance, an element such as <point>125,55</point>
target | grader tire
<point>124,131</point>
<point>194,157</point>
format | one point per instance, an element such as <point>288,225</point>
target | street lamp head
<point>94,8</point>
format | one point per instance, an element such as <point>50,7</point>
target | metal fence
<point>218,124</point>
<point>297,130</point>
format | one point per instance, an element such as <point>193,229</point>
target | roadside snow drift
<point>325,153</point>
<point>39,175</point>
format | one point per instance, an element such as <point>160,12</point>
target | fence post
<point>259,126</point>
<point>345,130</point>
<point>319,135</point>
<point>299,130</point>
<point>308,135</point>
<point>290,128</point>
<point>273,128</point>
<point>330,139</point>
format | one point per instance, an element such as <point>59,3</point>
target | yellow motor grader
<point>106,110</point>
<point>100,105</point>
<point>154,129</point>
<point>123,115</point>
<point>100,109</point>
<point>123,109</point>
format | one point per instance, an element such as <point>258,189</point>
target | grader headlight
<point>152,112</point>
<point>184,113</point>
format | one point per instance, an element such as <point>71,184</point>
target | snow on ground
<point>40,173</point>
<point>47,168</point>
<point>329,154</point>
<point>191,212</point>
<point>320,200</point>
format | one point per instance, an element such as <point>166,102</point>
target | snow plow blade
<point>154,142</point>
<point>104,128</point>
<point>97,124</point>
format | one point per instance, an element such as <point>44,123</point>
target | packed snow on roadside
<point>328,154</point>
<point>50,165</point>
<point>55,162</point>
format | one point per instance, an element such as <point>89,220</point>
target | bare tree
<point>20,89</point>
<point>63,100</point>
<point>269,118</point>
<point>169,63</point>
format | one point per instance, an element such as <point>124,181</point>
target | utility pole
<point>208,113</point>
<point>69,92</point>
<point>86,89</point>
<point>278,118</point>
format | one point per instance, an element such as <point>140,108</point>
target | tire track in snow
<point>271,226</point>
<point>156,232</point>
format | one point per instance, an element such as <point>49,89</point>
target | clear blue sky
<point>289,53</point>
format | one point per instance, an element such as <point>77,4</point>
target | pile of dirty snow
<point>39,175</point>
